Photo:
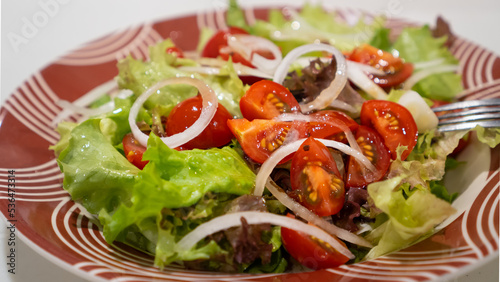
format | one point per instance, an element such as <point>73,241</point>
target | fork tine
<point>470,112</point>
<point>469,125</point>
<point>476,117</point>
<point>468,104</point>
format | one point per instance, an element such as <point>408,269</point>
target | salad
<point>292,143</point>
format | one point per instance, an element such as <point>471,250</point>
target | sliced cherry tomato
<point>311,252</point>
<point>134,151</point>
<point>330,124</point>
<point>372,145</point>
<point>216,46</point>
<point>261,137</point>
<point>187,112</point>
<point>315,178</point>
<point>393,122</point>
<point>176,51</point>
<point>396,70</point>
<point>266,99</point>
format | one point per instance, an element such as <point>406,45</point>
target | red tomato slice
<point>325,123</point>
<point>311,252</point>
<point>371,143</point>
<point>315,179</point>
<point>260,138</point>
<point>266,99</point>
<point>393,122</point>
<point>396,70</point>
<point>134,151</point>
<point>187,112</point>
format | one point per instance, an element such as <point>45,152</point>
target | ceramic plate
<point>59,229</point>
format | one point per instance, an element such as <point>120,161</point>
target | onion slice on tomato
<point>234,219</point>
<point>301,211</point>
<point>247,45</point>
<point>209,104</point>
<point>358,76</point>
<point>290,148</point>
<point>330,93</point>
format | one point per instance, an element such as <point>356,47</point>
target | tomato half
<point>330,124</point>
<point>311,252</point>
<point>266,99</point>
<point>372,146</point>
<point>133,151</point>
<point>216,46</point>
<point>315,179</point>
<point>259,138</point>
<point>393,122</point>
<point>183,115</point>
<point>396,70</point>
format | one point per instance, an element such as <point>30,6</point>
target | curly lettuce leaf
<point>95,173</point>
<point>175,179</point>
<point>410,216</point>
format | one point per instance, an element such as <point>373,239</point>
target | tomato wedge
<point>396,70</point>
<point>371,143</point>
<point>311,252</point>
<point>266,99</point>
<point>175,51</point>
<point>315,179</point>
<point>133,151</point>
<point>261,137</point>
<point>330,124</point>
<point>183,115</point>
<point>393,122</point>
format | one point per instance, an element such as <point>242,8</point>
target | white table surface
<point>72,23</point>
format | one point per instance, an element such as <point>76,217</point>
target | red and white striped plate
<point>53,225</point>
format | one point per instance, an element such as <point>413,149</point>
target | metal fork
<point>467,114</point>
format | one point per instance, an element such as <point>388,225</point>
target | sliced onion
<point>84,110</point>
<point>365,68</point>
<point>341,105</point>
<point>330,93</point>
<point>240,69</point>
<point>290,148</point>
<point>301,211</point>
<point>428,64</point>
<point>85,100</point>
<point>416,77</point>
<point>234,219</point>
<point>359,78</point>
<point>247,45</point>
<point>210,105</point>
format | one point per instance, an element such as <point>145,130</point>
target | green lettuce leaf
<point>315,24</point>
<point>410,216</point>
<point>489,136</point>
<point>95,173</point>
<point>176,179</point>
<point>418,45</point>
<point>138,76</point>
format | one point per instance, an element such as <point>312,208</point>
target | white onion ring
<point>240,69</point>
<point>210,105</point>
<point>287,149</point>
<point>234,219</point>
<point>359,77</point>
<point>416,77</point>
<point>301,211</point>
<point>246,45</point>
<point>330,93</point>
